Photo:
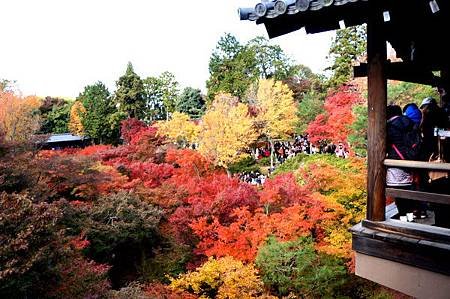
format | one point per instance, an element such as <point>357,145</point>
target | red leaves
<point>130,127</point>
<point>333,125</point>
<point>282,191</point>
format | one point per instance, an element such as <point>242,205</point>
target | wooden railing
<point>418,195</point>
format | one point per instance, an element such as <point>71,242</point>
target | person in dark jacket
<point>397,126</point>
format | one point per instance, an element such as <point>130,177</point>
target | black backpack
<point>412,145</point>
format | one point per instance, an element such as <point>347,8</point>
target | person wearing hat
<point>413,112</point>
<point>432,116</point>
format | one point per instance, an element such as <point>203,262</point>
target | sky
<point>57,47</point>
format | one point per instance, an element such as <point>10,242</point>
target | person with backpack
<point>403,143</point>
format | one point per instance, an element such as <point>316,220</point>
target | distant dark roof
<point>66,137</point>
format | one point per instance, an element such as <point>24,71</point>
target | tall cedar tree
<point>348,46</point>
<point>130,95</point>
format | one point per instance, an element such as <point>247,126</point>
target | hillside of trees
<point>154,207</point>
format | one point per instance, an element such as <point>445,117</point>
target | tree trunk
<point>272,149</point>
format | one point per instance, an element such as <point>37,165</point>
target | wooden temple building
<point>410,257</point>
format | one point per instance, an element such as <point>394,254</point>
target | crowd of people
<point>411,135</point>
<point>284,150</point>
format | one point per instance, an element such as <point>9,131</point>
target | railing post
<point>377,98</point>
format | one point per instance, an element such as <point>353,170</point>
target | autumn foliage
<point>334,124</point>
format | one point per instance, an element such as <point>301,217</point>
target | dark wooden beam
<point>432,256</point>
<point>377,99</point>
<point>402,72</point>
<point>410,229</point>
<point>418,195</point>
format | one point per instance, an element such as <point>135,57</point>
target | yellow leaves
<point>277,109</point>
<point>226,131</point>
<point>75,124</point>
<point>19,117</point>
<point>179,129</point>
<point>226,277</point>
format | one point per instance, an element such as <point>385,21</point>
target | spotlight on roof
<point>302,5</point>
<point>386,16</point>
<point>260,9</point>
<point>434,6</point>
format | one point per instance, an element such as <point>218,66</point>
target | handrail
<point>419,196</point>
<point>417,164</point>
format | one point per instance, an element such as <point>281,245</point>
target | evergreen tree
<point>348,45</point>
<point>98,120</point>
<point>130,94</point>
<point>191,102</point>
<point>232,68</point>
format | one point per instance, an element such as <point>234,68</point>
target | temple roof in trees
<point>417,29</point>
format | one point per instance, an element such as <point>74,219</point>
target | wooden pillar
<point>376,131</point>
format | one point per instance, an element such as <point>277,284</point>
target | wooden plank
<point>421,255</point>
<point>377,99</point>
<point>418,195</point>
<point>410,229</point>
<point>416,164</point>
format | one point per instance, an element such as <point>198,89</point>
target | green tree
<point>271,61</point>
<point>310,106</point>
<point>348,46</point>
<point>155,109</point>
<point>55,114</point>
<point>232,68</point>
<point>98,120</point>
<point>296,267</point>
<point>130,94</point>
<point>169,91</point>
<point>191,102</point>
<point>358,138</point>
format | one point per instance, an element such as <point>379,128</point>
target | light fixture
<point>342,24</point>
<point>260,9</point>
<point>386,16</point>
<point>302,5</point>
<point>327,2</point>
<point>280,7</point>
<point>434,6</point>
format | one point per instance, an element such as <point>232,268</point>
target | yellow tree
<point>179,129</point>
<point>226,131</point>
<point>277,111</point>
<point>76,113</point>
<point>19,117</point>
